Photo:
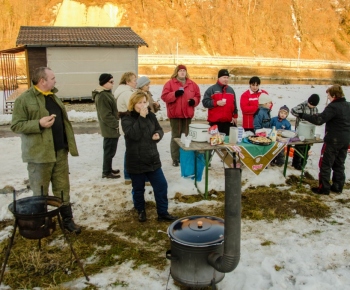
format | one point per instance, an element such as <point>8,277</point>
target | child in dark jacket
<point>262,117</point>
<point>280,122</point>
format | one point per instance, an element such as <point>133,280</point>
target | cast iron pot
<point>192,239</point>
<point>34,215</point>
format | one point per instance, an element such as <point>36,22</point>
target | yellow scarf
<point>44,93</point>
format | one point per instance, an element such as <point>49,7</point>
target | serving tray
<point>265,141</point>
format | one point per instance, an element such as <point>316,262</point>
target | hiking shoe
<point>117,171</point>
<point>175,163</point>
<point>167,218</point>
<point>317,190</point>
<point>297,167</point>
<point>335,189</point>
<point>110,175</point>
<point>142,216</point>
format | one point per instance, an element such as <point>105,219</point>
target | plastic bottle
<point>273,134</point>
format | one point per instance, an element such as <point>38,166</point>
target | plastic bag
<point>187,159</point>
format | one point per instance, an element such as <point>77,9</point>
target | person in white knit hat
<point>143,84</point>
<point>262,117</point>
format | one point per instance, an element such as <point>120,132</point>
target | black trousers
<point>297,159</point>
<point>332,159</point>
<point>109,150</point>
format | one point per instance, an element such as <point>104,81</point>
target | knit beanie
<point>181,66</point>
<point>285,108</point>
<point>223,72</point>
<point>314,99</point>
<point>142,81</point>
<point>264,98</point>
<point>104,78</point>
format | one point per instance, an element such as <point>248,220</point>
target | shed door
<point>77,69</point>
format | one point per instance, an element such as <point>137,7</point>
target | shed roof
<point>43,36</point>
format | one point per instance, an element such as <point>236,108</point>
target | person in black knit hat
<point>108,119</point>
<point>221,101</point>
<point>308,107</point>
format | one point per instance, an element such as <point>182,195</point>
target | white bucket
<point>306,129</point>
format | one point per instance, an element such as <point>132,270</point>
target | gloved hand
<point>300,115</point>
<point>191,102</point>
<point>179,93</point>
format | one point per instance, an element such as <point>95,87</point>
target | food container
<point>306,129</point>
<point>199,132</point>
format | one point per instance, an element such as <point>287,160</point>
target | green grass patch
<point>126,239</point>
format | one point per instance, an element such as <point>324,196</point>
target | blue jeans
<point>160,188</point>
<point>126,174</point>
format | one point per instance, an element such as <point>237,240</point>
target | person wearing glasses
<point>108,119</point>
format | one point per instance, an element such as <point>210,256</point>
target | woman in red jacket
<point>250,103</point>
<point>181,95</point>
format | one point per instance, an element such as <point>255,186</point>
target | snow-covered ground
<point>312,254</point>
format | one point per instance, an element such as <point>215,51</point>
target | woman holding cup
<point>142,133</point>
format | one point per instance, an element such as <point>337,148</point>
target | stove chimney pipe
<point>232,232</point>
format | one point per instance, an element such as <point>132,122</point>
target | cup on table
<point>183,138</point>
<point>187,142</point>
<point>301,138</point>
<point>318,136</point>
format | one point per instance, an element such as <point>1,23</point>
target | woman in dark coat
<point>142,133</point>
<point>336,140</point>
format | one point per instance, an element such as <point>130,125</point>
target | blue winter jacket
<point>280,123</point>
<point>262,118</point>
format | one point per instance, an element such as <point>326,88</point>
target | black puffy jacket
<point>337,118</point>
<point>141,151</point>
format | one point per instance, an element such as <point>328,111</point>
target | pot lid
<point>197,230</point>
<point>199,126</point>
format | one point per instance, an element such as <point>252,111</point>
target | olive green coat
<point>37,143</point>
<point>107,112</point>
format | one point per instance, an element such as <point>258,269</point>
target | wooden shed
<point>78,55</point>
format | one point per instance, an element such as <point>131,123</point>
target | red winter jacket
<point>249,105</point>
<point>220,113</point>
<point>179,107</point>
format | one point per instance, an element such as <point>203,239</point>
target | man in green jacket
<point>47,136</point>
<point>108,119</point>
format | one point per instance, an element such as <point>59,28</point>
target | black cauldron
<point>34,215</point>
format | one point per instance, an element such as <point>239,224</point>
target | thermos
<point>233,136</point>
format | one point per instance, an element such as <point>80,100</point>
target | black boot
<point>67,217</point>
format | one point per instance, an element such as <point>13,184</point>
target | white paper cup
<point>224,100</point>
<point>187,143</point>
<point>318,136</point>
<point>301,138</point>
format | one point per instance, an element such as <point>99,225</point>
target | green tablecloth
<point>256,157</point>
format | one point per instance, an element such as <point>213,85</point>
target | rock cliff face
<point>309,29</point>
